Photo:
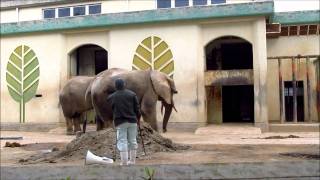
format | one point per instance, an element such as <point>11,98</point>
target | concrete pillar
<point>64,70</point>
<point>260,74</point>
<point>217,105</point>
<point>214,104</point>
<point>201,91</point>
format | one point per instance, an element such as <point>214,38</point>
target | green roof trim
<point>297,17</point>
<point>262,8</point>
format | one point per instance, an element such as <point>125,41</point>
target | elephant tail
<point>59,102</point>
<point>87,96</point>
<point>84,126</point>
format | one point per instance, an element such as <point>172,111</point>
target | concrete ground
<point>210,145</point>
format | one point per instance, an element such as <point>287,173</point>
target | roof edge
<point>297,17</point>
<point>261,8</point>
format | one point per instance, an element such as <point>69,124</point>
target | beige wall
<point>291,46</point>
<point>186,41</point>
<point>107,6</point>
<point>8,16</point>
<point>42,109</point>
<point>252,30</point>
<point>29,14</point>
<point>185,75</point>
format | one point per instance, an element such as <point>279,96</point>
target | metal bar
<point>280,92</point>
<point>294,88</point>
<point>290,57</point>
<point>317,63</point>
<point>308,89</point>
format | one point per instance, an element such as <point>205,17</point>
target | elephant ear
<point>161,85</point>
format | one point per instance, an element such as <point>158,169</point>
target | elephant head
<point>164,87</point>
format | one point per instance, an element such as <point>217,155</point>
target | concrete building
<point>232,61</point>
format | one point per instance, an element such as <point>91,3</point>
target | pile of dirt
<point>12,145</point>
<point>103,143</point>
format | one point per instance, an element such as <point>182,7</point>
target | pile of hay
<point>103,143</point>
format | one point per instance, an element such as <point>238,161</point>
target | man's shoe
<point>124,158</point>
<point>133,155</point>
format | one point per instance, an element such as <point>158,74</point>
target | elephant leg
<point>108,123</point>
<point>149,115</point>
<point>99,123</point>
<point>76,123</point>
<point>69,125</point>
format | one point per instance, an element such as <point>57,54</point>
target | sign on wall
<point>22,76</point>
<point>154,53</point>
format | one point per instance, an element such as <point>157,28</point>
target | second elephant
<point>149,85</point>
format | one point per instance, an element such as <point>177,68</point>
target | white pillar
<point>17,14</point>
<point>201,91</point>
<point>260,74</point>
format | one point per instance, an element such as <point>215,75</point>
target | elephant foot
<point>78,134</point>
<point>70,133</point>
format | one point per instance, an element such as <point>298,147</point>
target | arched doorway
<point>230,95</point>
<point>88,60</point>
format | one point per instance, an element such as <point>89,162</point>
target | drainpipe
<point>280,91</point>
<point>128,5</point>
<point>17,14</point>
<point>294,89</point>
<point>308,89</point>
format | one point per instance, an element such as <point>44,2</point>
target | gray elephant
<point>73,102</point>
<point>149,86</point>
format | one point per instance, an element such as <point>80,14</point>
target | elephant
<point>73,102</point>
<point>149,85</point>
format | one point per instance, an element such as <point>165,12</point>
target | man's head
<point>119,84</point>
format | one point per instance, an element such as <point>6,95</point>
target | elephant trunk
<point>167,114</point>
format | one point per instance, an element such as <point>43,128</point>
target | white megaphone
<point>93,159</point>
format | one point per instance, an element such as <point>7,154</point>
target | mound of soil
<point>103,143</point>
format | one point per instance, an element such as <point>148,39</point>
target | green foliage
<point>22,76</point>
<point>67,178</point>
<point>154,53</point>
<point>149,173</point>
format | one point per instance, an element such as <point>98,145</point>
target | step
<point>228,129</point>
<point>294,127</point>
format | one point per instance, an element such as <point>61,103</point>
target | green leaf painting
<point>154,53</point>
<point>22,76</point>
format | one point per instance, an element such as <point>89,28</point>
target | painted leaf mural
<point>154,53</point>
<point>22,76</point>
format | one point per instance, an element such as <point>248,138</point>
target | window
<point>79,11</point>
<point>218,1</point>
<point>163,3</point>
<point>49,13</point>
<point>63,12</point>
<point>95,9</point>
<point>181,3</point>
<point>199,2</point>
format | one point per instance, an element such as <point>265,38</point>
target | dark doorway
<point>88,60</point>
<point>101,61</point>
<point>288,100</point>
<point>227,53</point>
<point>238,104</point>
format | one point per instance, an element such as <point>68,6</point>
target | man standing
<point>125,107</point>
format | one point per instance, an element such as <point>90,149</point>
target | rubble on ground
<point>103,143</point>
